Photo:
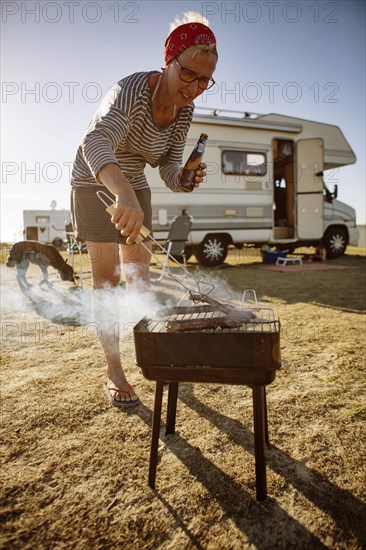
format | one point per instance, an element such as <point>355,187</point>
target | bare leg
<point>136,266</point>
<point>105,265</point>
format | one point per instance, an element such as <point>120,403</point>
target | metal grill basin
<point>249,354</point>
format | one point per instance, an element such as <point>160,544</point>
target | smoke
<point>111,311</point>
<point>215,286</point>
<point>116,310</point>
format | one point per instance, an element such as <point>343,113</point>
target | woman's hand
<point>128,220</point>
<point>200,174</point>
<point>128,217</point>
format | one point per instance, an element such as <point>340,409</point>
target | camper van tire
<point>212,251</point>
<point>335,241</point>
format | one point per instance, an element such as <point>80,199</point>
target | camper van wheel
<point>335,241</point>
<point>212,251</point>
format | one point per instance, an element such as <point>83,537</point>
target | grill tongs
<point>195,295</point>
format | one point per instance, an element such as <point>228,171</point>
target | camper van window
<point>42,219</point>
<point>243,163</point>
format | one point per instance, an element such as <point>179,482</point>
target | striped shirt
<point>123,132</point>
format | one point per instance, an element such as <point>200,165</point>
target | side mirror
<point>335,192</point>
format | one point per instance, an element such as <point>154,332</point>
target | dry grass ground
<point>74,469</point>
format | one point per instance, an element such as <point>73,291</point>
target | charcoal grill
<point>248,355</point>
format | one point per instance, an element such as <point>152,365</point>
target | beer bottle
<point>192,164</point>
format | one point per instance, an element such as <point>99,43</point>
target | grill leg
<point>155,433</point>
<point>266,434</point>
<point>172,408</point>
<point>259,412</point>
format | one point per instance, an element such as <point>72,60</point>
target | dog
<point>44,255</point>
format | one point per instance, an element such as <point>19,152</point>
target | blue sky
<point>299,58</point>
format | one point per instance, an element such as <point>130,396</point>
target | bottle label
<point>200,148</point>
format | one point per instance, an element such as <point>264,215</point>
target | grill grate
<point>265,320</point>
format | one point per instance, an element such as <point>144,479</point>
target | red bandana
<point>185,36</point>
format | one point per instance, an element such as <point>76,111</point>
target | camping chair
<point>72,246</point>
<point>175,243</point>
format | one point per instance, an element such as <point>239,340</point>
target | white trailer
<point>46,226</point>
<point>264,186</point>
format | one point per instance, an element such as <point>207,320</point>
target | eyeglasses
<point>189,76</point>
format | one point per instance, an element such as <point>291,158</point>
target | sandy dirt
<point>74,468</point>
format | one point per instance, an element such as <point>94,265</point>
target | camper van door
<point>309,163</point>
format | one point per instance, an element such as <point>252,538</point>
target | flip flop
<point>121,404</point>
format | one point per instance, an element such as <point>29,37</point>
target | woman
<point>143,119</point>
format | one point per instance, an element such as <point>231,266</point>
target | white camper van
<point>46,226</point>
<point>264,186</point>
